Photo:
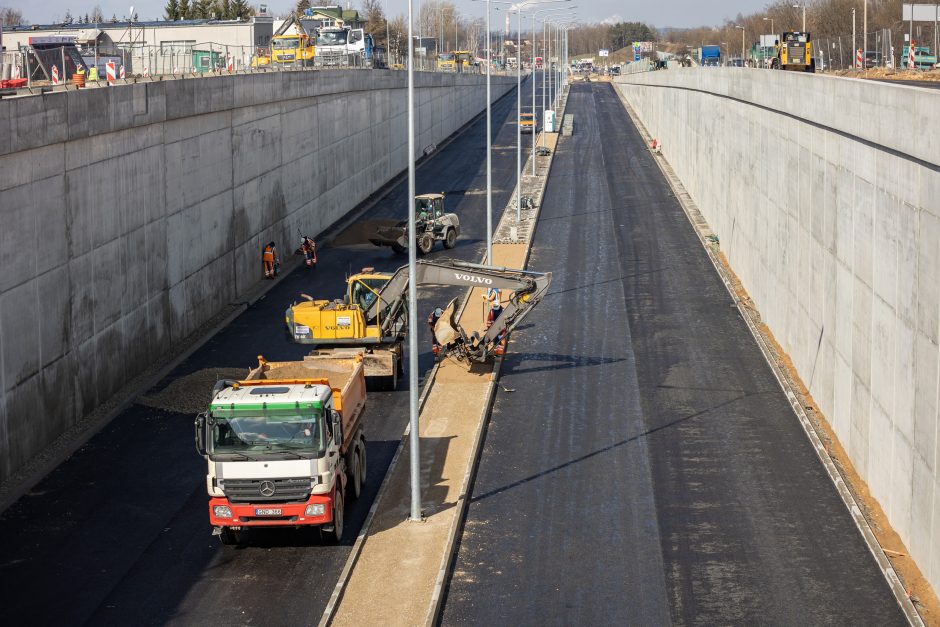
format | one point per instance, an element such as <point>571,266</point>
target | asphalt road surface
<point>647,470</point>
<point>119,532</point>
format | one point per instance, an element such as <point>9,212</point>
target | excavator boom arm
<point>527,289</point>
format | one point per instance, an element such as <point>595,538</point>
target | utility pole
<point>865,35</point>
<point>854,44</point>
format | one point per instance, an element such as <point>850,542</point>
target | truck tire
<point>355,467</point>
<point>425,243</point>
<point>336,534</point>
<point>229,537</point>
<point>363,467</point>
<point>812,66</point>
<point>450,240</point>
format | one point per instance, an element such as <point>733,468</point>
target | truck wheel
<point>398,248</point>
<point>450,240</point>
<point>229,536</point>
<point>362,461</point>
<point>356,468</point>
<point>425,243</point>
<point>336,535</point>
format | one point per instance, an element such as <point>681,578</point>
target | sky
<point>677,13</point>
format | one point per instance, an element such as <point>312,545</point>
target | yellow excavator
<point>373,315</point>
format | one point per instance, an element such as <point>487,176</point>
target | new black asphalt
<point>119,532</point>
<point>647,469</point>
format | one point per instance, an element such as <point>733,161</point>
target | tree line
<point>207,10</point>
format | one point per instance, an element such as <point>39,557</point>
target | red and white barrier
<point>910,55</point>
<point>55,75</point>
<point>121,72</point>
<point>230,63</point>
<point>16,72</point>
<point>176,70</point>
<point>146,71</point>
<point>859,62</point>
<point>193,70</point>
<point>110,71</point>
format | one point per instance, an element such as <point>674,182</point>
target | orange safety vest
<point>268,254</point>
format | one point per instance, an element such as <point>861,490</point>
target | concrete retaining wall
<point>130,216</point>
<point>825,193</point>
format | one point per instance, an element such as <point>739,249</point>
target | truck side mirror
<point>337,428</point>
<point>201,434</point>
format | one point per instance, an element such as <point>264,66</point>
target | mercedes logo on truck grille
<point>267,488</point>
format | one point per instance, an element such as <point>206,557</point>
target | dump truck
<point>293,43</point>
<point>794,52</point>
<point>432,224</point>
<point>285,446</point>
<point>373,317</point>
<point>710,56</point>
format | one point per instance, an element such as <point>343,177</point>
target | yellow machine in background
<point>794,53</point>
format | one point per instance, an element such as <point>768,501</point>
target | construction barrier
<point>111,75</point>
<point>859,62</point>
<point>910,55</point>
<point>230,63</point>
<point>55,75</point>
<point>122,72</point>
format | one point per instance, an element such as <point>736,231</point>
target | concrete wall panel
<point>831,221</point>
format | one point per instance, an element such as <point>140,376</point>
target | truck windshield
<point>283,43</point>
<point>266,432</point>
<point>445,57</point>
<point>332,38</point>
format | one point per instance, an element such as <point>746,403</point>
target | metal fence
<point>169,60</point>
<point>880,50</point>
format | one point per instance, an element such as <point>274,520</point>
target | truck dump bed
<point>343,374</point>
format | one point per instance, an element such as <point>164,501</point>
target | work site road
<point>647,469</point>
<point>119,533</point>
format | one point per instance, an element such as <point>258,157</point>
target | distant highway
<point>924,84</point>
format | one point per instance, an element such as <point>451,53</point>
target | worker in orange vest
<point>269,261</point>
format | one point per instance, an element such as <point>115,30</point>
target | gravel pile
<point>190,394</point>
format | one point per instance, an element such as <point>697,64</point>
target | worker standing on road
<point>433,317</point>
<point>269,261</point>
<point>495,306</point>
<point>309,248</point>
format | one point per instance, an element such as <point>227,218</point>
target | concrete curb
<point>690,209</point>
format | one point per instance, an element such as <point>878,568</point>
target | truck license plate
<point>267,512</point>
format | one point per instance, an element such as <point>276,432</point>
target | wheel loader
<point>432,224</point>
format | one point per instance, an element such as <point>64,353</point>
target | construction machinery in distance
<point>432,224</point>
<point>373,317</point>
<point>794,52</point>
<point>294,42</point>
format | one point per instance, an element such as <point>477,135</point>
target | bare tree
<point>11,17</point>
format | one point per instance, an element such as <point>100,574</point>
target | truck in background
<point>710,56</point>
<point>293,43</point>
<point>923,60</point>
<point>342,45</point>
<point>285,446</point>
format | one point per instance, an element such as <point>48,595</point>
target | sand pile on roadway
<point>190,394</point>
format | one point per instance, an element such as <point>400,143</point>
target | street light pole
<point>412,288</point>
<point>489,143</point>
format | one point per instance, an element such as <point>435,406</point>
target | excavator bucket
<point>447,331</point>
